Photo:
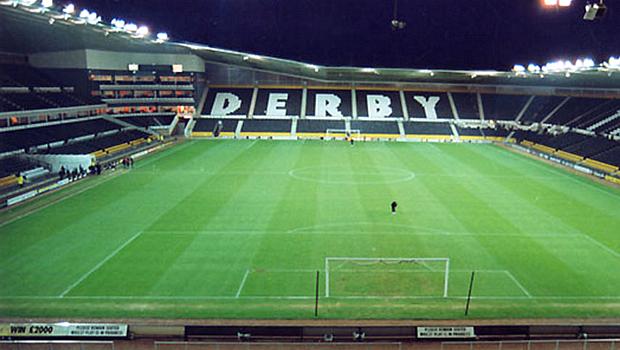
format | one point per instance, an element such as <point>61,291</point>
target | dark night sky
<point>449,34</point>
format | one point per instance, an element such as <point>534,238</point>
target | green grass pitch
<point>238,229</point>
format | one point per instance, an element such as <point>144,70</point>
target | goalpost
<point>440,267</point>
<point>332,132</point>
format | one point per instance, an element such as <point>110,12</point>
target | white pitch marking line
<point>57,200</point>
<point>245,277</point>
<point>284,297</point>
<point>105,260</point>
<point>601,245</point>
<point>514,279</point>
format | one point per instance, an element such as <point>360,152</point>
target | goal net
<point>342,133</point>
<point>386,277</point>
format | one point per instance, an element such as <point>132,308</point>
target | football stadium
<point>163,194</point>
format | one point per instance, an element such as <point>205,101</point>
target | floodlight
<point>613,62</point>
<point>595,11</point>
<point>313,67</point>
<point>93,18</point>
<point>588,63</point>
<point>27,2</point>
<point>163,37</point>
<point>84,13</point>
<point>142,31</point>
<point>533,68</point>
<point>518,68</point>
<point>118,23</point>
<point>564,3</point>
<point>47,3</point>
<point>69,9</point>
<point>130,27</point>
<point>551,2</point>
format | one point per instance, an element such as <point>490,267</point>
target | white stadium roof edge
<point>28,32</point>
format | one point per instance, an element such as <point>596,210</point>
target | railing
<point>276,346</point>
<point>585,344</point>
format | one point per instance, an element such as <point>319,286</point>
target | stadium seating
<point>100,143</point>
<point>13,165</point>
<point>43,135</point>
<point>427,128</point>
<point>266,126</point>
<point>34,90</point>
<point>610,156</point>
<point>466,105</point>
<point>146,121</point>
<point>540,108</point>
<point>208,125</point>
<point>375,127</point>
<point>469,131</point>
<point>582,112</point>
<point>319,126</point>
<point>502,107</point>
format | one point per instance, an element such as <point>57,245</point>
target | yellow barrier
<point>472,138</point>
<point>430,137</point>
<point>377,136</point>
<point>495,138</point>
<point>264,134</point>
<point>202,134</point>
<point>8,180</point>
<point>600,165</point>
<point>612,179</point>
<point>543,148</point>
<point>569,156</point>
<point>318,134</point>
<point>527,143</point>
<point>99,153</point>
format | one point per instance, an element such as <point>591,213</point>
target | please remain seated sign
<point>445,332</point>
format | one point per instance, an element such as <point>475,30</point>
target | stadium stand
<point>416,110</point>
<point>466,105</point>
<point>591,146</point>
<point>541,107</point>
<point>101,143</point>
<point>208,125</point>
<point>148,90</point>
<point>495,132</point>
<point>610,156</point>
<point>375,127</point>
<point>27,88</point>
<point>469,131</point>
<point>266,126</point>
<point>147,121</point>
<point>578,112</point>
<point>14,165</point>
<point>502,107</point>
<point>45,135</point>
<point>427,128</point>
<point>319,126</point>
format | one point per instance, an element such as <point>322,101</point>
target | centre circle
<point>337,175</point>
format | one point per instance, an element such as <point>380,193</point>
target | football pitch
<point>239,229</point>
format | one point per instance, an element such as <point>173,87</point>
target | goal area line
<point>389,260</point>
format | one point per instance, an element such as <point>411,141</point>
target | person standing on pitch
<point>394,205</point>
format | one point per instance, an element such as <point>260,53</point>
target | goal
<point>386,277</point>
<point>342,132</point>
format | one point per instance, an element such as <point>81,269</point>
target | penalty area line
<point>101,263</point>
<point>245,277</point>
<point>514,279</point>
